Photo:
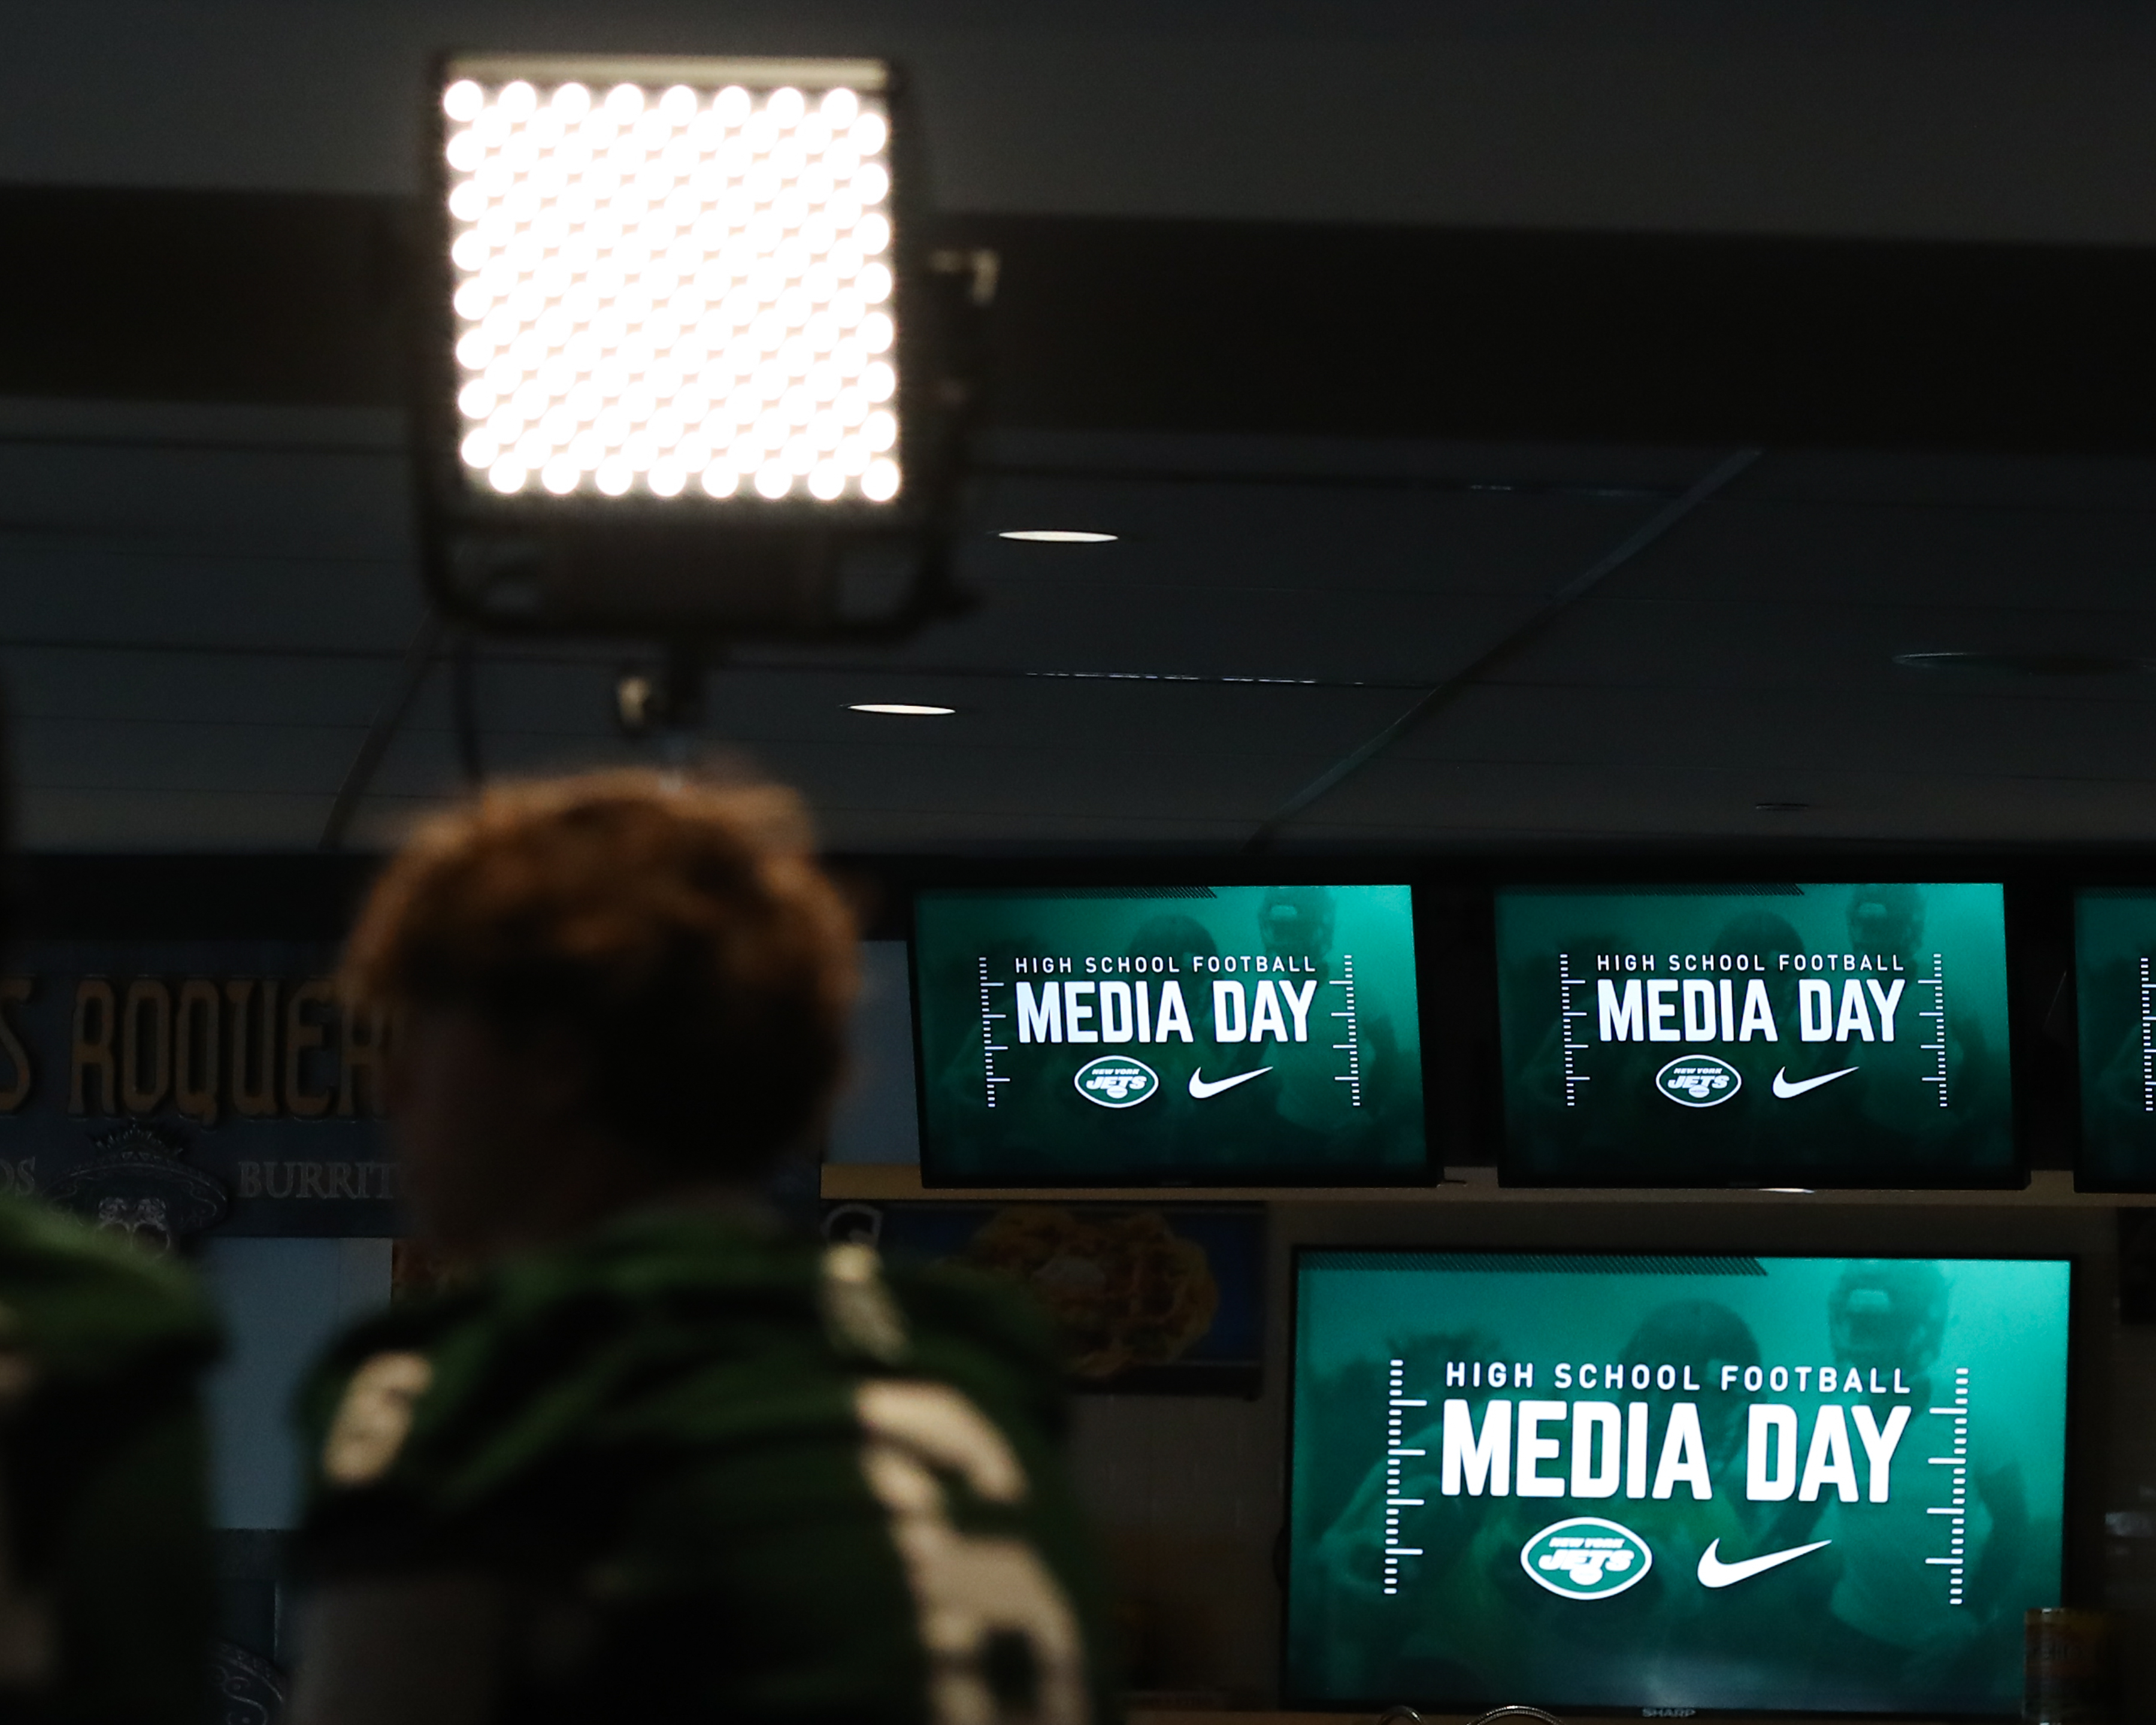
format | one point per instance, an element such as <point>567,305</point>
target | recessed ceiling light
<point>1057,536</point>
<point>901,709</point>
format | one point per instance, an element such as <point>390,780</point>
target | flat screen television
<point>1117,1036</point>
<point>2115,993</point>
<point>1606,1482</point>
<point>1768,1035</point>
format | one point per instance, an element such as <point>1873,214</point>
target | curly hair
<point>683,934</point>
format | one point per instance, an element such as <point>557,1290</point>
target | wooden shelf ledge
<point>2049,1189</point>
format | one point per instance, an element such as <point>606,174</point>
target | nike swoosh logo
<point>1714,1573</point>
<point>1201,1090</point>
<point>1785,1090</point>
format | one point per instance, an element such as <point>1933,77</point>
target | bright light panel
<point>668,290</point>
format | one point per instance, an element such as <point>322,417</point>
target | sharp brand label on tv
<point>1756,1035</point>
<point>1207,1034</point>
<point>1799,1484</point>
<point>2115,981</point>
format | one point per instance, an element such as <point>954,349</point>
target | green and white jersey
<point>104,1612</point>
<point>685,1468</point>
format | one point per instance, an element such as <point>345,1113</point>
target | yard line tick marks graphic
<point>1392,1551</point>
<point>2147,1045</point>
<point>1937,1012</point>
<point>1955,1563</point>
<point>1352,1047</point>
<point>990,1048</point>
<point>1566,1013</point>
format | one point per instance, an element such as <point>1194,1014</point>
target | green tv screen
<point>1199,1034</point>
<point>2115,989</point>
<point>1756,1035</point>
<point>1597,1481</point>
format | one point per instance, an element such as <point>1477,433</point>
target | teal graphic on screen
<point>1852,1034</point>
<point>1201,1033</point>
<point>2115,985</point>
<point>1797,1485</point>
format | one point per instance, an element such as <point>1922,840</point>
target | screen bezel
<point>1512,1168</point>
<point>1424,1173</point>
<point>1295,1700</point>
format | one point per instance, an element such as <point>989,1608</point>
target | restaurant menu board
<point>1795,1485</point>
<point>1186,1034</point>
<point>2115,985</point>
<point>1756,1035</point>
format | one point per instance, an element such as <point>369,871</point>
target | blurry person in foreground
<point>656,1459</point>
<point>105,1590</point>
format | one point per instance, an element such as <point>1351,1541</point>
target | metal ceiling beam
<point>1547,610</point>
<point>1689,341</point>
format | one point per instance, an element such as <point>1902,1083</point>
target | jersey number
<point>971,1593</point>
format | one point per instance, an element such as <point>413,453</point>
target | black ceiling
<point>1122,325</point>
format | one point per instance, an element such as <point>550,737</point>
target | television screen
<point>1794,1484</point>
<point>1185,1034</point>
<point>2115,989</point>
<point>1756,1035</point>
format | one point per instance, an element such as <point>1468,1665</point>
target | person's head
<point>1766,936</point>
<point>1172,935</point>
<point>1297,921</point>
<point>1887,1313</point>
<point>1709,1333</point>
<point>607,988</point>
<point>1887,918</point>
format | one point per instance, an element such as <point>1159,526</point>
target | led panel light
<point>673,281</point>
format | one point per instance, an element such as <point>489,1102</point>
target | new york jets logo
<point>1586,1558</point>
<point>1115,1082</point>
<point>1699,1080</point>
